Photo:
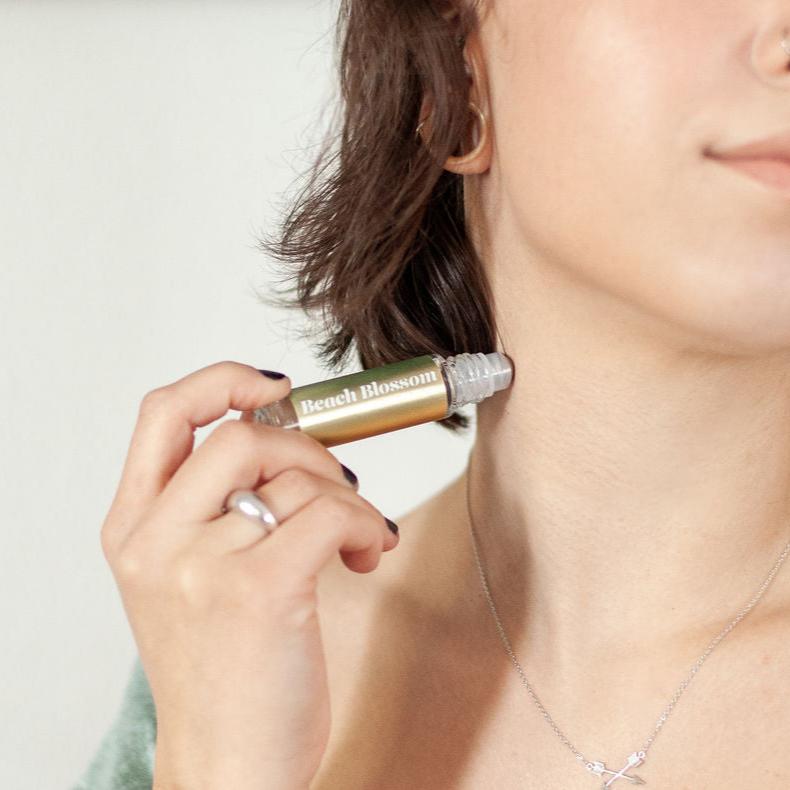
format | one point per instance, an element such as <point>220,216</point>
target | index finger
<point>165,431</point>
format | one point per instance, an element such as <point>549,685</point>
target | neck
<point>625,490</point>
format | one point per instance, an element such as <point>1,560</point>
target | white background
<point>143,145</point>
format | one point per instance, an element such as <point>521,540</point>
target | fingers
<point>170,494</point>
<point>164,434</point>
<point>286,494</point>
<point>292,556</point>
<point>240,455</point>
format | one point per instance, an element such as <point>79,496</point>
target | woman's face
<point>601,112</point>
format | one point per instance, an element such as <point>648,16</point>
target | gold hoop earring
<point>458,164</point>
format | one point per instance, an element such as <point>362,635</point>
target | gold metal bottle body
<point>387,398</point>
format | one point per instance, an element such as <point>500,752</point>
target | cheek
<point>599,146</point>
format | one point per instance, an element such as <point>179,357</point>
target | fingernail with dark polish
<point>393,527</point>
<point>350,476</point>
<point>272,374</point>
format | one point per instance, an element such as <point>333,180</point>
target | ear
<point>478,160</point>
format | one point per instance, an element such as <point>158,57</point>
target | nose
<point>770,55</point>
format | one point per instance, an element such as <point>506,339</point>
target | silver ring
<point>248,503</point>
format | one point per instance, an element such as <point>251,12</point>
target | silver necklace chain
<point>635,758</point>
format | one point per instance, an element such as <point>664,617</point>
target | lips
<point>766,160</point>
<point>773,172</point>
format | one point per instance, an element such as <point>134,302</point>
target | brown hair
<point>376,238</point>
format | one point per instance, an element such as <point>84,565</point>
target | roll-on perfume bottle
<point>390,397</point>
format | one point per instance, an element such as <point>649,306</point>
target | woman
<point>628,494</point>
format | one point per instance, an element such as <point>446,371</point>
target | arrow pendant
<point>599,769</point>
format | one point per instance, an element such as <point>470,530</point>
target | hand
<point>226,620</point>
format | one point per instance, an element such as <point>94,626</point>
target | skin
<point>643,292</point>
<point>634,479</point>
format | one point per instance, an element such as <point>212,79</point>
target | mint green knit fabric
<point>124,759</point>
